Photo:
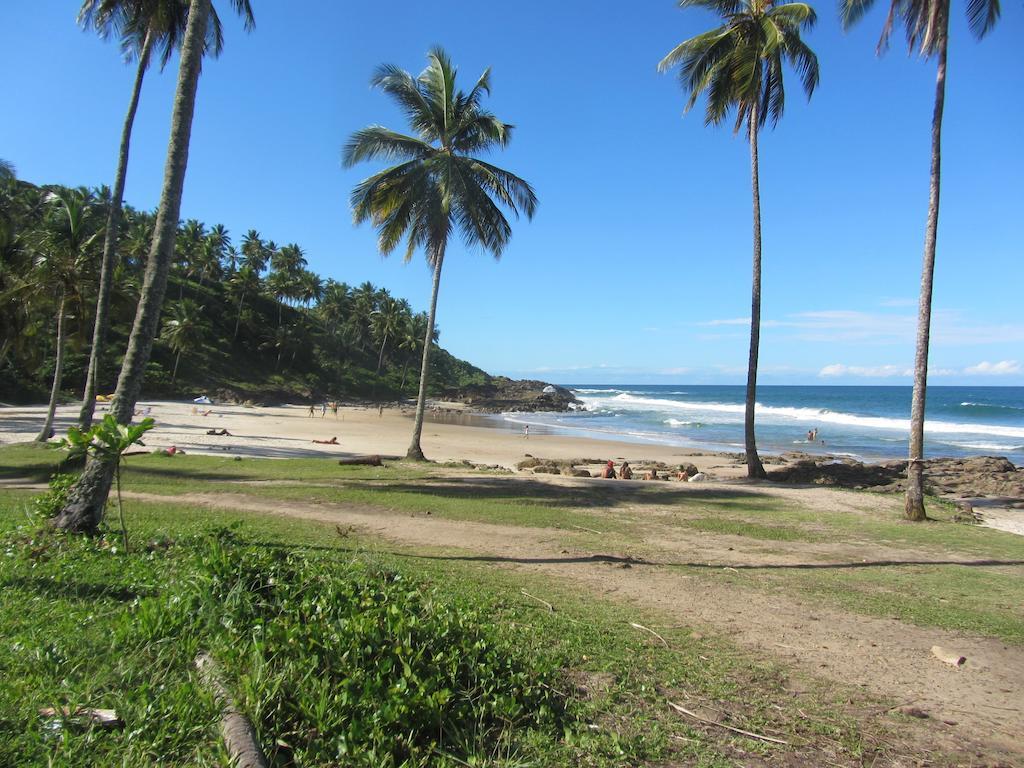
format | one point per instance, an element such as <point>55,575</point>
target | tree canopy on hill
<point>260,325</point>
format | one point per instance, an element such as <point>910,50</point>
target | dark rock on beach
<point>500,394</point>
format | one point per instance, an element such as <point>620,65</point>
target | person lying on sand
<point>218,432</point>
<point>332,441</point>
<point>608,473</point>
<point>626,472</point>
<point>174,451</point>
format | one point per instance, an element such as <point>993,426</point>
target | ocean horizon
<point>868,423</point>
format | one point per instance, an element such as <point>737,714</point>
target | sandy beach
<point>288,432</point>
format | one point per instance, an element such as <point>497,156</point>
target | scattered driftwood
<point>740,731</point>
<point>588,530</point>
<point>947,656</point>
<point>368,461</point>
<point>645,629</point>
<point>236,730</point>
<point>534,597</point>
<point>104,718</point>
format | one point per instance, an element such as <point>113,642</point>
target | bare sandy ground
<point>288,432</point>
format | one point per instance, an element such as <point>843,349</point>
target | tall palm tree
<point>245,281</point>
<point>65,252</point>
<point>86,499</point>
<point>142,27</point>
<point>926,23</point>
<point>739,67</point>
<point>183,330</point>
<point>440,183</point>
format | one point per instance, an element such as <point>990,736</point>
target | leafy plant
<point>107,441</point>
<point>48,504</point>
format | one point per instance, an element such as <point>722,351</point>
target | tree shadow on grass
<point>58,590</point>
<point>632,562</point>
<point>581,494</point>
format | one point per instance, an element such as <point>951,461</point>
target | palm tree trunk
<point>415,451</point>
<point>87,498</point>
<point>914,505</point>
<point>58,369</point>
<point>238,319</point>
<point>174,373</point>
<point>99,332</point>
<point>380,357</point>
<point>405,370</point>
<point>754,466</point>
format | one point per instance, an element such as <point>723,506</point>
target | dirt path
<point>984,700</point>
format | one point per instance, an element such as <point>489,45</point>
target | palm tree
<point>7,172</point>
<point>738,65</point>
<point>86,499</point>
<point>926,23</point>
<point>245,280</point>
<point>440,185</point>
<point>183,330</point>
<point>387,323</point>
<point>65,249</point>
<point>281,286</point>
<point>142,26</point>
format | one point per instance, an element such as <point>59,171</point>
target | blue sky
<point>637,265</point>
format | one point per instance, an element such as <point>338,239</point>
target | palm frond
<point>982,16</point>
<point>376,142</point>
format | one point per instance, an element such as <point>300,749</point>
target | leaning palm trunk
<point>754,467</point>
<point>84,509</point>
<point>914,507</point>
<point>238,320</point>
<point>58,369</point>
<point>415,451</point>
<point>99,332</point>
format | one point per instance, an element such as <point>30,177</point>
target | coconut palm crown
<point>739,65</point>
<point>924,21</point>
<point>439,184</point>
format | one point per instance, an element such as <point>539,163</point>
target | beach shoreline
<point>455,433</point>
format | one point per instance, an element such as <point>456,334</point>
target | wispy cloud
<point>727,321</point>
<point>1002,368</point>
<point>871,372</point>
<point>845,326</point>
<point>897,302</point>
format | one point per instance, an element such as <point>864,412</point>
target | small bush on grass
<point>50,502</point>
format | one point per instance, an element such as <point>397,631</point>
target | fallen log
<point>368,461</point>
<point>239,736</point>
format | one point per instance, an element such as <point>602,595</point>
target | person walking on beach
<point>526,431</point>
<point>323,409</point>
<point>312,408</point>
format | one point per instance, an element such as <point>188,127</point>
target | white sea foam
<point>681,423</point>
<point>991,405</point>
<point>628,402</point>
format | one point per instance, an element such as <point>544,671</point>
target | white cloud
<point>1002,368</point>
<point>873,372</point>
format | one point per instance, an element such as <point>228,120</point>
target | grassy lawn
<point>325,641</point>
<point>294,613</point>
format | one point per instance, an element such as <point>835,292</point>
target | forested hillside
<point>243,317</point>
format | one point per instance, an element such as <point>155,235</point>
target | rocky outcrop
<point>975,476</point>
<point>500,394</point>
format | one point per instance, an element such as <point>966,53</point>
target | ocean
<point>865,423</point>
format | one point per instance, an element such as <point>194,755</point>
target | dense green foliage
<point>249,321</point>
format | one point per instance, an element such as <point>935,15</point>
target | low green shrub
<point>342,663</point>
<point>50,502</point>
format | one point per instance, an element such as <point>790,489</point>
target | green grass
<point>86,625</point>
<point>743,527</point>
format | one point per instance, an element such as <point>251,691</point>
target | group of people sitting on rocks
<point>626,473</point>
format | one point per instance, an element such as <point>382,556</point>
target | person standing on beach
<point>312,408</point>
<point>526,432</point>
<point>323,409</point>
